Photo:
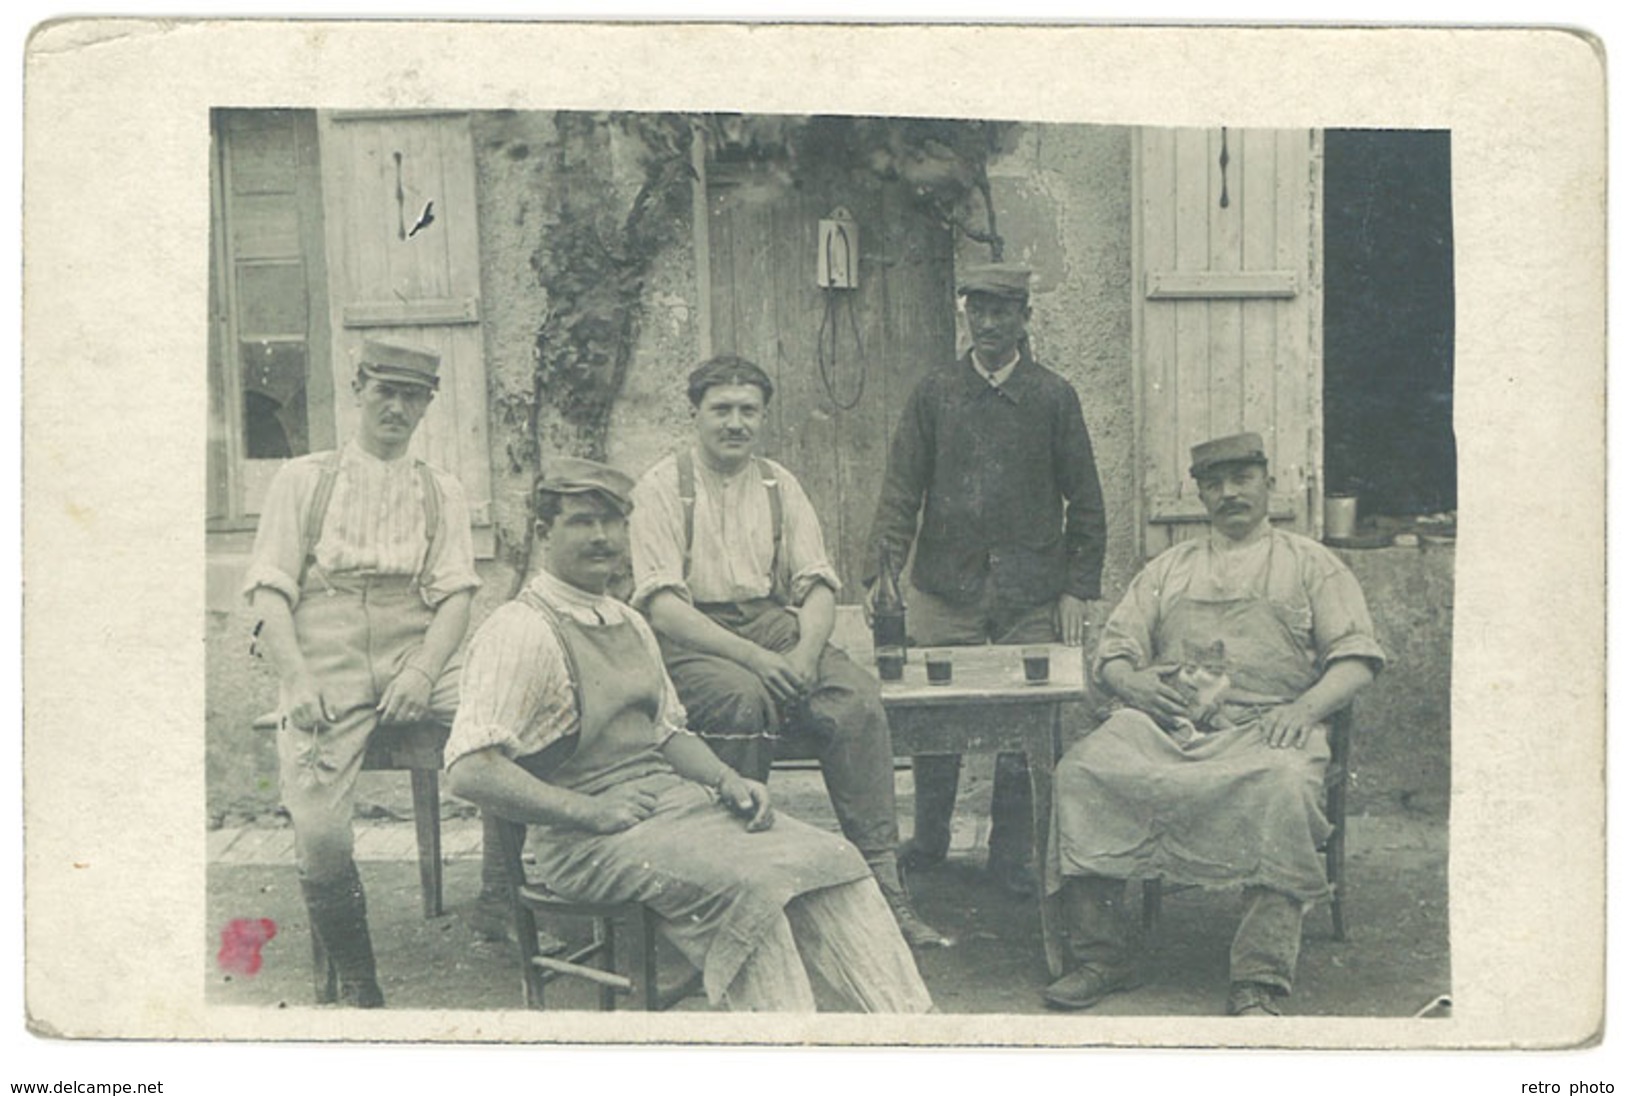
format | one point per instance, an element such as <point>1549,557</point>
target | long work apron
<point>1226,810</point>
<point>716,887</point>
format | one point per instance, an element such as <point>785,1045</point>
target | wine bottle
<point>890,628</point>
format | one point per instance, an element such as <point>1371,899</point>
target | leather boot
<point>916,932</point>
<point>1098,931</point>
<point>338,921</point>
<point>936,786</point>
<point>1099,941</point>
<point>1010,839</point>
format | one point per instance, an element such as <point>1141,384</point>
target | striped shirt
<point>374,526</point>
<point>732,555</point>
<point>516,694</point>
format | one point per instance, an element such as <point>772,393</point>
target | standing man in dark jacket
<point>1013,538</point>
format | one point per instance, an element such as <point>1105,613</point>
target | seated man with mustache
<point>569,724</point>
<point>730,567</point>
<point>1238,805</point>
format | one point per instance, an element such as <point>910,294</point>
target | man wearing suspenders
<point>363,573</point>
<point>729,564</point>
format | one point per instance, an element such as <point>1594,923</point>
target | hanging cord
<point>827,358</point>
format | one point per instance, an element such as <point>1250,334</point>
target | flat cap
<point>1245,448</point>
<point>997,280</point>
<point>577,476</point>
<point>405,364</point>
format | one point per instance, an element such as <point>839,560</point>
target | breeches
<point>318,771</point>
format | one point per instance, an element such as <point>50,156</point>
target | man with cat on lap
<point>1271,629</point>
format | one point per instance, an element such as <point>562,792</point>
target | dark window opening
<point>1389,321</point>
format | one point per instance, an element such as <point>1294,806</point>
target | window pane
<point>274,418</point>
<point>271,299</point>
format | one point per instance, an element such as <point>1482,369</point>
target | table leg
<point>1042,740</point>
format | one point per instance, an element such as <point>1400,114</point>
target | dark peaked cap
<point>1236,449</point>
<point>403,364</point>
<point>577,476</point>
<point>996,280</point>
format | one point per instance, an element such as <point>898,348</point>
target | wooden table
<point>990,707</point>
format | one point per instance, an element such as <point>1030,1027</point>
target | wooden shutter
<point>1227,315</point>
<point>387,282</point>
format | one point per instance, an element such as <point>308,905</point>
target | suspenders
<point>775,503</point>
<point>316,516</point>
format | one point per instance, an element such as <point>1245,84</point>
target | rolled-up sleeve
<point>515,692</point>
<point>806,562</point>
<point>1342,622</point>
<point>452,568</point>
<point>656,532</point>
<point>279,542</point>
<point>1128,629</point>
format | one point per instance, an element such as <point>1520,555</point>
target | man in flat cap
<point>570,724</point>
<point>729,563</point>
<point>1013,539</point>
<point>1228,653</point>
<point>363,572</point>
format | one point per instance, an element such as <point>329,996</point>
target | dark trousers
<point>840,722</point>
<point>934,622</point>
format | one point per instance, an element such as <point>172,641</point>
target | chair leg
<point>1334,874</point>
<point>426,818</point>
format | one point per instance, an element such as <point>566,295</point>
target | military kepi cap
<point>996,280</point>
<point>404,364</point>
<point>577,476</point>
<point>1236,449</point>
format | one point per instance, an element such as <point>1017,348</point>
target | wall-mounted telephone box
<point>838,251</point>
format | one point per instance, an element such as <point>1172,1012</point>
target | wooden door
<point>1227,315</point>
<point>395,279</point>
<point>843,361</point>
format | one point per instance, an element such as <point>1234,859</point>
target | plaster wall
<point>1062,195</point>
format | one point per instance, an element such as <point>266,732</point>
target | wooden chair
<point>1340,732</point>
<point>595,961</point>
<point>418,749</point>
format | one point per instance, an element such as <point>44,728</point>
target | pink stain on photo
<point>240,943</point>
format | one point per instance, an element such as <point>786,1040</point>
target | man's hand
<point>1150,693</point>
<point>307,708</point>
<point>1287,726</point>
<point>1072,620</point>
<point>805,664</point>
<point>869,603</point>
<point>784,682</point>
<point>618,809</point>
<point>747,798</point>
<point>406,698</point>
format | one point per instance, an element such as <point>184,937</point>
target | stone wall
<point>1402,723</point>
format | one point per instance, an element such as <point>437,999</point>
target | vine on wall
<point>600,248</point>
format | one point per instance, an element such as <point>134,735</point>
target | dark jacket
<point>992,467</point>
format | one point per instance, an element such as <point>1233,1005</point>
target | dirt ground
<point>1394,962</point>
